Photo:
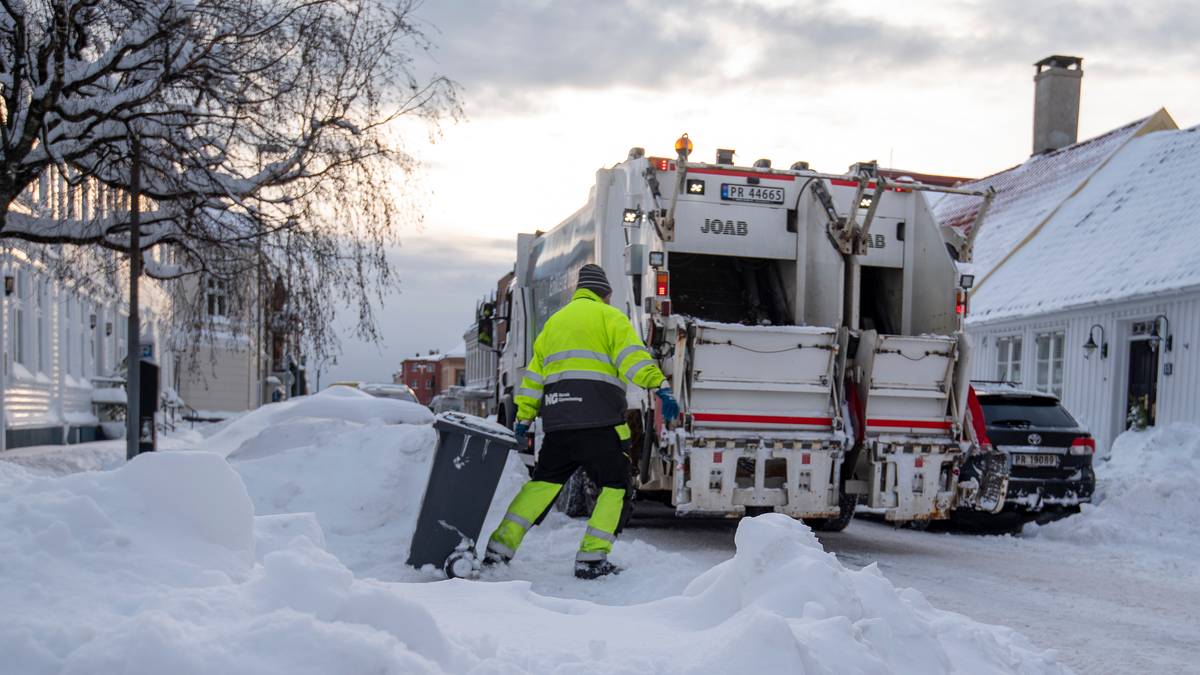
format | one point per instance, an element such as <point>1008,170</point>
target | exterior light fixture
<point>10,282</point>
<point>1157,337</point>
<point>657,259</point>
<point>632,216</point>
<point>966,281</point>
<point>1090,345</point>
<point>92,322</point>
<point>107,328</point>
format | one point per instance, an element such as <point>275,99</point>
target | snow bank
<point>335,403</point>
<point>1146,497</point>
<point>152,569</point>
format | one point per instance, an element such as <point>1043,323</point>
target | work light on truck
<point>632,215</point>
<point>966,280</point>
<point>657,259</point>
<point>695,186</point>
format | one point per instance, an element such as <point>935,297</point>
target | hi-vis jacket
<point>586,354</point>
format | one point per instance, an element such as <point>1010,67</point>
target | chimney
<point>1056,102</point>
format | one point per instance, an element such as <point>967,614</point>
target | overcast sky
<point>557,89</point>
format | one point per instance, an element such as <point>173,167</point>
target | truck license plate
<point>1030,459</point>
<point>751,193</point>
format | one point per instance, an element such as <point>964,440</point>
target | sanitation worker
<point>582,360</point>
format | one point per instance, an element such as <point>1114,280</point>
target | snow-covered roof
<point>1131,231</point>
<point>1028,193</point>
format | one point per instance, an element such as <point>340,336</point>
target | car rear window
<point>1025,411</point>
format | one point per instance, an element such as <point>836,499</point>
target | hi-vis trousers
<point>599,452</point>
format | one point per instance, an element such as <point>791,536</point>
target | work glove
<point>521,428</point>
<point>670,407</point>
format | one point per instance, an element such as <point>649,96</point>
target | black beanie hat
<point>592,277</point>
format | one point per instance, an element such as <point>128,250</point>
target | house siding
<point>1094,388</point>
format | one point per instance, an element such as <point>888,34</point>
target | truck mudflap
<point>913,480</point>
<point>725,477</point>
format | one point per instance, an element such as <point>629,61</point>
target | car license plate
<point>1030,459</point>
<point>751,193</point>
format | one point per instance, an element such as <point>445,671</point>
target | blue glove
<point>670,407</point>
<point>520,429</point>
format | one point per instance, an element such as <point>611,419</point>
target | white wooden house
<point>1088,275</point>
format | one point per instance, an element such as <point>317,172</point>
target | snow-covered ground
<point>275,543</point>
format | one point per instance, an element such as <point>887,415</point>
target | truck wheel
<point>846,506</point>
<point>578,495</point>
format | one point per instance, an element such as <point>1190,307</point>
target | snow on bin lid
<point>477,425</point>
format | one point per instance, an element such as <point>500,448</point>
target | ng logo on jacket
<point>556,397</point>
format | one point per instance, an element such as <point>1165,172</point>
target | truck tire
<point>578,495</point>
<point>846,506</point>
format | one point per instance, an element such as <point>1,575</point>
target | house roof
<point>1027,194</point>
<point>1131,230</point>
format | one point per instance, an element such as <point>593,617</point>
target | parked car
<point>400,392</point>
<point>1049,451</point>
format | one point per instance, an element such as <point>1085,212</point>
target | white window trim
<point>1057,346</point>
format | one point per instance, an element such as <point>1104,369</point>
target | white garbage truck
<point>810,325</point>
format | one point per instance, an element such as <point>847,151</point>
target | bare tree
<point>270,136</point>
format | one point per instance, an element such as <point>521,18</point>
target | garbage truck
<point>809,323</point>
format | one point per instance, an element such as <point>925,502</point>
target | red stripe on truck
<point>762,419</point>
<point>909,424</point>
<point>744,174</point>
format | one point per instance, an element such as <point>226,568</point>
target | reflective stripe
<point>531,393</point>
<point>637,368</point>
<point>632,349</point>
<point>532,376</point>
<point>577,354</point>
<point>591,556</point>
<point>504,551</point>
<point>600,534</point>
<point>585,375</point>
<point>517,520</point>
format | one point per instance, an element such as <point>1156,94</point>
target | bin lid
<point>476,425</point>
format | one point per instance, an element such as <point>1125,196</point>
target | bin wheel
<point>461,565</point>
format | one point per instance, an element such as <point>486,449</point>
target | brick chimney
<point>1056,102</point>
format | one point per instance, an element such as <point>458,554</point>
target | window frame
<point>1054,358</point>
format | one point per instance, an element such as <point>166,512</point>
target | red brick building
<point>432,374</point>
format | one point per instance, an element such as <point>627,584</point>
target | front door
<point>1143,379</point>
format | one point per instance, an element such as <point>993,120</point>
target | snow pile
<point>152,568</point>
<point>1146,496</point>
<point>363,482</point>
<point>335,403</point>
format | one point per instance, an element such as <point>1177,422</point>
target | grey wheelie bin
<point>467,465</point>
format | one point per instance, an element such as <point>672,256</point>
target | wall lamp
<point>10,283</point>
<point>92,322</point>
<point>1090,345</point>
<point>1156,337</point>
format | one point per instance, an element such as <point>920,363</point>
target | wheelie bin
<point>466,469</point>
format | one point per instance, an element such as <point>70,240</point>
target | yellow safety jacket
<point>585,355</point>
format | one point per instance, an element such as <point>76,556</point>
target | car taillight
<point>1084,445</point>
<point>662,284</point>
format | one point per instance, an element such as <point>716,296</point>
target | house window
<point>69,330</point>
<point>41,345</point>
<point>217,297</point>
<point>1050,362</point>
<point>1008,359</point>
<point>17,320</point>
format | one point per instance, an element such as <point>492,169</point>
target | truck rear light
<point>960,302</point>
<point>662,285</point>
<point>662,164</point>
<point>718,457</point>
<point>1084,445</point>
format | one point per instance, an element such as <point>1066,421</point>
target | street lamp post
<point>133,340</point>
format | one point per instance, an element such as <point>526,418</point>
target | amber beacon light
<point>683,146</point>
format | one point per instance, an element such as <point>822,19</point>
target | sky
<point>556,89</point>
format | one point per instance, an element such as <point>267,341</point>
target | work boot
<point>594,569</point>
<point>492,559</point>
